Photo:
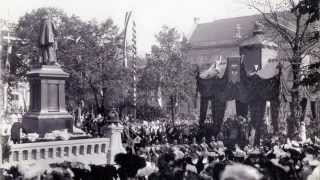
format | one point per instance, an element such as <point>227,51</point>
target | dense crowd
<point>205,160</point>
<point>161,151</point>
<point>184,132</point>
<point>159,132</point>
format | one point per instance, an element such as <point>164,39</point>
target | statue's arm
<point>54,29</point>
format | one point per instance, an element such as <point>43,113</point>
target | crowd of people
<point>233,131</point>
<point>159,150</point>
<point>159,132</point>
<point>204,160</point>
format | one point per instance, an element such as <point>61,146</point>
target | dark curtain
<point>257,113</point>
<point>242,109</point>
<point>275,108</point>
<point>217,108</point>
<point>252,90</point>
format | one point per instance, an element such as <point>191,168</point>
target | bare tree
<point>295,21</point>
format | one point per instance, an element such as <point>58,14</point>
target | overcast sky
<point>149,15</point>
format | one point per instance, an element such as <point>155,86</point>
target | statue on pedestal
<point>47,41</point>
<point>47,110</point>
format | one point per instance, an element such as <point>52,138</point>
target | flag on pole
<point>9,51</point>
<point>134,54</point>
<point>126,22</point>
<point>134,38</point>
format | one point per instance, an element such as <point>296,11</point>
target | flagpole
<point>7,64</point>
<point>134,58</point>
<point>125,60</point>
<point>1,84</point>
<point>126,22</point>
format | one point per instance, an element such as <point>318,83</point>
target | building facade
<point>215,41</point>
<point>19,100</point>
<point>219,39</point>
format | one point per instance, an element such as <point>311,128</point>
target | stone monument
<point>47,111</point>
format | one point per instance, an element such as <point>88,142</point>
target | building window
<point>103,148</point>
<point>74,150</point>
<point>34,154</point>
<point>96,148</point>
<point>66,151</point>
<point>25,155</point>
<point>50,153</point>
<point>16,156</point>
<point>89,147</point>
<point>81,150</point>
<point>58,152</point>
<point>42,153</point>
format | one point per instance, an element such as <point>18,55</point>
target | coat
<point>47,32</point>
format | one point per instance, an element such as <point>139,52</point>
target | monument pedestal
<point>47,111</point>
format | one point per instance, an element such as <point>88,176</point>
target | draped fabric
<point>262,89</point>
<point>251,92</point>
<point>250,88</point>
<point>211,87</point>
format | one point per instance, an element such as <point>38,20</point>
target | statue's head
<point>46,14</point>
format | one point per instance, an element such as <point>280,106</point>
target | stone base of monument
<point>47,122</point>
<point>47,111</point>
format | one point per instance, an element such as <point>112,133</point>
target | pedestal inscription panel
<point>53,97</point>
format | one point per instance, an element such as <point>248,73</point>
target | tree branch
<point>281,29</point>
<point>305,28</point>
<point>308,47</point>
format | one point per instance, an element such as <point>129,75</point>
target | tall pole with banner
<point>126,22</point>
<point>1,83</point>
<point>134,56</point>
<point>134,70</point>
<point>134,64</point>
<point>125,60</point>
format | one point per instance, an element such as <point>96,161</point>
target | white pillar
<point>1,160</point>
<point>115,145</point>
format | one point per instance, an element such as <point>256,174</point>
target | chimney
<point>238,31</point>
<point>258,28</point>
<point>193,27</point>
<point>196,20</point>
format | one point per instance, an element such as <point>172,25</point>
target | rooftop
<point>230,31</point>
<point>223,31</point>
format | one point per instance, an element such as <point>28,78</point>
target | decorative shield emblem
<point>234,69</point>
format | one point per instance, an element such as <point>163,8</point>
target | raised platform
<point>88,151</point>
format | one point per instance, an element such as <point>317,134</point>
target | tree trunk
<point>96,99</point>
<point>172,109</point>
<point>294,119</point>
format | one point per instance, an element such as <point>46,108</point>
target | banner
<point>234,69</point>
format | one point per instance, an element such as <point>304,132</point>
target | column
<point>61,93</point>
<point>44,96</point>
<point>115,145</point>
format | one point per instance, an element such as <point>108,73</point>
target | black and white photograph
<point>159,89</point>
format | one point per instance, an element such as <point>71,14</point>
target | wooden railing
<point>91,151</point>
